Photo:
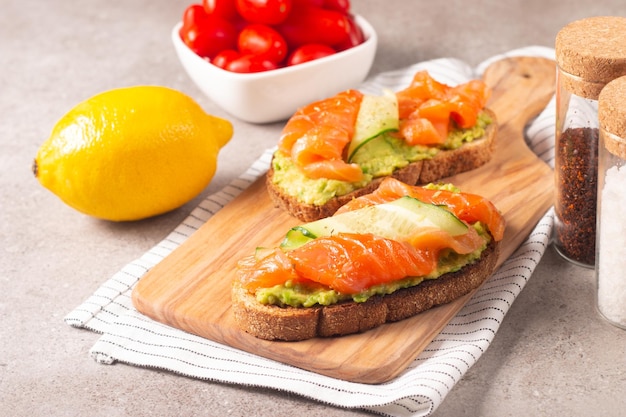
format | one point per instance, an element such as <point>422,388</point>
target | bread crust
<point>292,324</point>
<point>445,164</point>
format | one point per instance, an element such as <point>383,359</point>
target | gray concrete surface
<point>552,356</point>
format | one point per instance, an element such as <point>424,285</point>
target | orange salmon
<point>427,107</point>
<point>467,207</point>
<point>317,134</point>
<point>350,263</point>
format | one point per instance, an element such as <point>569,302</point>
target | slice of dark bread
<point>444,164</point>
<point>292,324</point>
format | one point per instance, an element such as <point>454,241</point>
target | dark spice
<point>575,205</point>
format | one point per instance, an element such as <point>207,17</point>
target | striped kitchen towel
<point>131,338</point>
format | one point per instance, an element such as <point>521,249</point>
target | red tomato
<point>306,24</point>
<point>226,9</point>
<point>268,12</point>
<point>309,52</point>
<point>250,63</point>
<point>222,8</point>
<point>262,41</point>
<point>205,34</point>
<point>342,6</point>
<point>315,3</point>
<point>225,57</point>
<point>355,35</point>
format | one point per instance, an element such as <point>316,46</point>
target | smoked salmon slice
<point>350,263</point>
<point>271,268</point>
<point>466,206</point>
<point>427,108</point>
<point>317,134</point>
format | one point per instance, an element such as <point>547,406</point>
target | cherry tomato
<point>205,34</point>
<point>342,6</point>
<point>262,41</point>
<point>309,52</point>
<point>250,63</point>
<point>268,12</point>
<point>225,57</point>
<point>315,3</point>
<point>355,35</point>
<point>222,8</point>
<point>306,24</point>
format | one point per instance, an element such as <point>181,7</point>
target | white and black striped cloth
<point>131,338</point>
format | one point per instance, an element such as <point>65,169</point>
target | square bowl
<point>274,95</point>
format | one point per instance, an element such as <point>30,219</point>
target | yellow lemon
<point>131,153</point>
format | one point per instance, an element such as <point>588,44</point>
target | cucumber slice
<point>377,115</point>
<point>394,220</point>
<point>295,237</point>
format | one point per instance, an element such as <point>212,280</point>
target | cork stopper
<point>591,52</point>
<point>612,116</point>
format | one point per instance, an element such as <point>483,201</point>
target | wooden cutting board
<point>190,289</point>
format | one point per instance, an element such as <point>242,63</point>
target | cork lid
<point>612,116</point>
<point>593,52</point>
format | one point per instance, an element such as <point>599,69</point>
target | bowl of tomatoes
<point>260,60</point>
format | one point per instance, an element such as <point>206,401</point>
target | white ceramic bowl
<point>271,96</point>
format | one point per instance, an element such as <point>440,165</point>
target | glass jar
<point>589,54</point>
<point>611,230</point>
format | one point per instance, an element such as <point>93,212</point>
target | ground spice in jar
<point>576,202</point>
<point>589,53</point>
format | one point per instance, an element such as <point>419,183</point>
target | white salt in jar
<point>611,215</point>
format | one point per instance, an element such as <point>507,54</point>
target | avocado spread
<point>379,157</point>
<point>307,295</point>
